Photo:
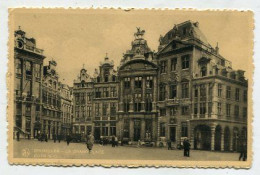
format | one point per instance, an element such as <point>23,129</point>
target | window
<point>106,78</point>
<point>185,90</point>
<point>28,67</point>
<point>83,110</point>
<point>237,94</point>
<point>97,109</point>
<point>184,129</point>
<point>105,92</point>
<point>82,98</point>
<point>88,96</point>
<point>173,111</point>
<point>37,71</point>
<point>210,90</point>
<point>228,92</point>
<point>149,82</point>
<point>113,78</point>
<point>219,108</point>
<point>89,111</point>
<point>219,90</point>
<point>113,92</point>
<point>185,60</point>
<point>97,93</point>
<point>106,75</point>
<point>203,71</point>
<point>113,109</point>
<point>138,82</point>
<point>245,96</point>
<point>105,108</point>
<point>104,131</point>
<point>228,109</point>
<point>184,110</point>
<point>163,67</point>
<point>203,92</point>
<point>173,64</point>
<point>236,112</point>
<point>137,106</point>
<point>148,102</point>
<point>196,93</point>
<point>203,108</point>
<point>209,108</point>
<point>162,129</point>
<point>195,110</point>
<point>162,92</point>
<point>173,91</point>
<point>18,66</point>
<point>127,82</point>
<point>245,112</point>
<point>127,103</point>
<point>162,112</point>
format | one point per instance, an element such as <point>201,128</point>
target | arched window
<point>203,71</point>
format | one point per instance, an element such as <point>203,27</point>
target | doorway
<point>173,134</point>
<point>137,129</point>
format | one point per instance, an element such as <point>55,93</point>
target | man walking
<point>169,143</point>
<point>186,146</point>
<point>90,142</point>
<point>243,151</point>
<point>54,138</point>
<point>68,139</point>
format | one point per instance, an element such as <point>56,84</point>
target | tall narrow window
<point>105,108</point>
<point>162,129</point>
<point>219,90</point>
<point>138,82</point>
<point>127,82</point>
<point>137,106</point>
<point>148,102</point>
<point>149,82</point>
<point>112,109</point>
<point>163,67</point>
<point>105,92</point>
<point>185,60</point>
<point>97,93</point>
<point>245,96</point>
<point>203,92</point>
<point>236,112</point>
<point>28,68</point>
<point>113,92</point>
<point>228,109</point>
<point>203,71</point>
<point>219,108</point>
<point>162,92</point>
<point>18,66</point>
<point>37,71</point>
<point>237,94</point>
<point>185,90</point>
<point>228,92</point>
<point>245,112</point>
<point>173,91</point>
<point>173,64</point>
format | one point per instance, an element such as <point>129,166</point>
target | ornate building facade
<point>185,90</point>
<point>51,99</point>
<point>28,61</point>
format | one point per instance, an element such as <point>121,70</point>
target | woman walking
<point>90,142</point>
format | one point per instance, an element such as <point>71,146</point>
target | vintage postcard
<point>113,87</point>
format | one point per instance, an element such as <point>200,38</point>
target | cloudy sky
<point>77,37</point>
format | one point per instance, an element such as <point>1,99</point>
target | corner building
<point>200,96</point>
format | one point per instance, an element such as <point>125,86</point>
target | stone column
<point>213,138</point>
<point>207,100</point>
<point>154,134</point>
<point>23,117</point>
<point>51,130</point>
<point>121,103</point>
<point>231,140</point>
<point>154,94</point>
<point>131,106</point>
<point>222,140</point>
<point>143,95</point>
<point>143,129</point>
<point>131,129</point>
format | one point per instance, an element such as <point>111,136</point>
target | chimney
<point>217,49</point>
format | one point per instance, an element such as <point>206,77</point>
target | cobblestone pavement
<point>36,149</point>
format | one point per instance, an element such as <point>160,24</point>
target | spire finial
<point>19,27</point>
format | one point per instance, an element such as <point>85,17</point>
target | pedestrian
<point>116,141</point>
<point>113,141</point>
<point>54,138</point>
<point>59,138</point>
<point>243,151</point>
<point>186,146</point>
<point>68,139</point>
<point>18,136</point>
<point>90,142</point>
<point>169,143</point>
<point>46,137</point>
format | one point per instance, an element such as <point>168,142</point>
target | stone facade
<point>28,61</point>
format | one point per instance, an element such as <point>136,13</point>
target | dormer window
<point>106,78</point>
<point>113,78</point>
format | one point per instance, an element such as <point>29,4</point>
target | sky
<point>76,37</point>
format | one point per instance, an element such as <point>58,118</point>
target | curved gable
<point>138,64</point>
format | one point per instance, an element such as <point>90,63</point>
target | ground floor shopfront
<point>217,135</point>
<point>50,127</point>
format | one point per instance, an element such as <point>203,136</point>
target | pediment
<point>138,65</point>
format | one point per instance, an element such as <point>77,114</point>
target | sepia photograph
<point>115,87</point>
